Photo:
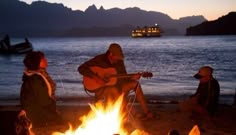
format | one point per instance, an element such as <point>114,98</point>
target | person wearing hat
<point>111,62</point>
<point>206,98</point>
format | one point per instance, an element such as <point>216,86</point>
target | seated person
<point>38,92</point>
<point>205,100</point>
<point>5,43</point>
<point>111,62</point>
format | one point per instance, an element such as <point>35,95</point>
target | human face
<point>43,63</point>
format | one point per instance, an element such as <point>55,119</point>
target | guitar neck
<point>124,75</point>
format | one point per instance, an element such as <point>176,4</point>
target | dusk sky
<point>210,9</point>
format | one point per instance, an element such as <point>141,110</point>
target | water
<point>173,60</point>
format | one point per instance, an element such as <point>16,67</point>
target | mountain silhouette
<point>51,19</point>
<point>224,25</point>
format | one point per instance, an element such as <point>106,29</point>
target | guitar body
<point>92,84</point>
<point>110,74</point>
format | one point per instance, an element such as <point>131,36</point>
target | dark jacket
<point>208,95</point>
<point>35,100</point>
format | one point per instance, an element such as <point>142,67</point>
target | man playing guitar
<point>106,76</point>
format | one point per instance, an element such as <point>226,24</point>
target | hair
<point>32,60</point>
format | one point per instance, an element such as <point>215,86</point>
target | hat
<point>203,72</point>
<point>116,50</point>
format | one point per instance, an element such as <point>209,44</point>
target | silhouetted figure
<point>26,40</point>
<point>111,62</point>
<point>205,100</point>
<point>5,43</point>
<point>7,40</point>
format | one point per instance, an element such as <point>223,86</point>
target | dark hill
<point>51,19</point>
<point>224,25</point>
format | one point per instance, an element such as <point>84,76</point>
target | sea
<point>173,60</point>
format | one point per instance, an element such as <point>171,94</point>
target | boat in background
<point>153,31</point>
<point>20,48</point>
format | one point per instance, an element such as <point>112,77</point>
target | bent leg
<point>108,93</point>
<point>134,85</point>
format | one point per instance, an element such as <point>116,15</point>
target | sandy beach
<point>167,117</point>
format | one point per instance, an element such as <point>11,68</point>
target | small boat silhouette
<point>20,48</point>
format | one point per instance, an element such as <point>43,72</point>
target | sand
<point>167,117</point>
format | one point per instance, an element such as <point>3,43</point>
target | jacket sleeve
<point>84,69</point>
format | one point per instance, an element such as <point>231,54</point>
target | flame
<point>101,120</point>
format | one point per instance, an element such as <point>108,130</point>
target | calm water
<point>172,60</point>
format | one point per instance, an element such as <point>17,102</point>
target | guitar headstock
<point>147,74</point>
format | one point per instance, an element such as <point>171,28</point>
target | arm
<point>197,92</point>
<point>121,69</point>
<point>85,70</point>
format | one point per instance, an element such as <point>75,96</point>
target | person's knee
<point>130,85</point>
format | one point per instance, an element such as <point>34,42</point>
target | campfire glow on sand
<point>101,120</point>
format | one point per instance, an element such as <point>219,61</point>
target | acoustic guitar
<point>110,75</point>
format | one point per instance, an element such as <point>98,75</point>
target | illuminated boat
<point>153,31</point>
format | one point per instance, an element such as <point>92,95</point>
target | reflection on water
<point>172,60</point>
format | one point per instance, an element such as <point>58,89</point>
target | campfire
<point>108,120</point>
<point>101,120</point>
